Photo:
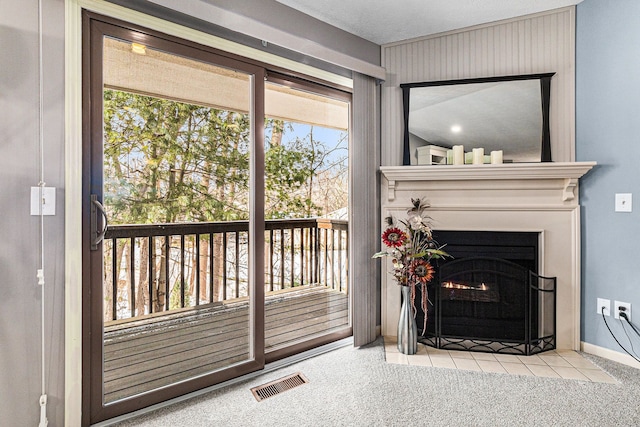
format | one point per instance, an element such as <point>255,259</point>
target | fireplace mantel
<point>567,172</point>
<point>531,197</point>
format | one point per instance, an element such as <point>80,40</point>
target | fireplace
<point>490,297</point>
<point>540,198</point>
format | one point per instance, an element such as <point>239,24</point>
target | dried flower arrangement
<point>412,249</point>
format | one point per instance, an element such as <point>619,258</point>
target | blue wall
<point>608,131</point>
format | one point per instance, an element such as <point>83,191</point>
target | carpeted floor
<point>356,387</point>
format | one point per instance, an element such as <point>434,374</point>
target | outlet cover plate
<point>617,304</point>
<point>604,303</point>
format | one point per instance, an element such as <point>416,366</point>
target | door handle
<point>97,237</point>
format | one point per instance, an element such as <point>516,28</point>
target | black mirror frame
<point>545,90</point>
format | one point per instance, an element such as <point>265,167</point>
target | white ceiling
<point>387,21</point>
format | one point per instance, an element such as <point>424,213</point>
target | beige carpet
<point>357,387</point>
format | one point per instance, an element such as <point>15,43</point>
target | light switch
<point>623,202</point>
<point>48,201</point>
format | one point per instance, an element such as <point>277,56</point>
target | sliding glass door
<point>306,206</point>
<point>172,252</point>
<point>215,217</point>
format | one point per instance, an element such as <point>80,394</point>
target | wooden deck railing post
<point>182,282</point>
<point>197,255</point>
<point>340,260</point>
<point>292,234</point>
<point>302,259</point>
<point>211,267</point>
<point>151,274</point>
<point>282,263</point>
<point>237,290</point>
<point>132,275</point>
<point>167,249</point>
<point>224,266</point>
<point>115,270</point>
<point>271,261</point>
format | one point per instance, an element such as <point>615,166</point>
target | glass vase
<point>407,327</point>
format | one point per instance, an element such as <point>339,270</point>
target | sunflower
<point>394,237</point>
<point>421,270</point>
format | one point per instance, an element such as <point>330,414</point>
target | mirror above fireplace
<point>508,113</point>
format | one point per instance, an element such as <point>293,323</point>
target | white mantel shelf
<point>570,172</point>
<point>547,170</point>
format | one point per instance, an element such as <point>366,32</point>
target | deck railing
<point>163,267</point>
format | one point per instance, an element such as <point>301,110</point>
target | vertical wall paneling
<point>538,43</point>
<point>364,210</point>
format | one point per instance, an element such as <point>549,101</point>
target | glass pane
<point>176,176</point>
<point>306,200</point>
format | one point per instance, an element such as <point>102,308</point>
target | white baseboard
<point>606,353</point>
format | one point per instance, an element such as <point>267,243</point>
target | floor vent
<point>278,386</point>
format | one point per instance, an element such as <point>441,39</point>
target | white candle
<point>496,157</point>
<point>458,155</point>
<point>478,156</point>
<point>468,158</point>
<point>449,157</point>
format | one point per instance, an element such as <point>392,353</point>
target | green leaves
<point>437,253</point>
<point>169,161</point>
<point>381,254</point>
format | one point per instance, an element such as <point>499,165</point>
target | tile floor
<point>565,364</point>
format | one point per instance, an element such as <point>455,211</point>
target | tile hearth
<point>566,364</point>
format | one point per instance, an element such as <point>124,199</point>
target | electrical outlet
<point>627,309</point>
<point>607,306</point>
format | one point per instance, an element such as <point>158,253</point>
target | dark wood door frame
<point>95,28</point>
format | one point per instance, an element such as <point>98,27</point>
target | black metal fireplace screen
<point>491,305</point>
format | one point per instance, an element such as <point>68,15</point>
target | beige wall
<point>538,43</point>
<point>21,245</point>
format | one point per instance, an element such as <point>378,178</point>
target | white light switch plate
<point>623,202</point>
<point>48,202</point>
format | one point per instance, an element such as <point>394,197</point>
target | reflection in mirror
<point>509,113</point>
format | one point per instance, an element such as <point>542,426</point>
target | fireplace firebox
<point>489,297</point>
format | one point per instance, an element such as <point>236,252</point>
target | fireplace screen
<point>492,305</point>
